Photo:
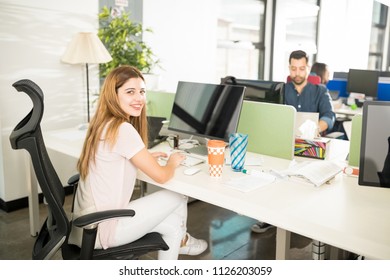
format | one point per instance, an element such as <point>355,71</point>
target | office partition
<point>270,128</point>
<point>354,145</point>
<point>340,85</point>
<point>159,104</point>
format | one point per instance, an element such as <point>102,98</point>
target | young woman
<point>321,70</point>
<point>113,150</point>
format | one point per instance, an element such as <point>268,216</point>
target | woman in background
<point>321,70</point>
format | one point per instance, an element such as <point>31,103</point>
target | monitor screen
<point>384,78</point>
<point>340,75</point>
<point>363,81</point>
<point>374,167</point>
<point>206,110</point>
<point>258,90</point>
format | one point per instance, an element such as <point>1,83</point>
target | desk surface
<point>343,109</point>
<point>342,214</point>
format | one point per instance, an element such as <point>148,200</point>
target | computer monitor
<point>363,81</point>
<point>337,75</point>
<point>384,77</point>
<point>258,90</point>
<point>207,110</point>
<point>374,166</point>
<point>385,74</point>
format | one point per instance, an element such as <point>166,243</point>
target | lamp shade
<point>86,47</point>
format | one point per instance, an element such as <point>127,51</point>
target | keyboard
<point>192,161</point>
<point>189,161</point>
<point>199,150</point>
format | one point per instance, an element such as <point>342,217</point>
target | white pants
<point>164,212</point>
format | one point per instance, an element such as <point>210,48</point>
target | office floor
<point>228,234</point>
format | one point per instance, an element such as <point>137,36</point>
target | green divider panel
<point>270,128</point>
<point>354,143</point>
<point>159,104</point>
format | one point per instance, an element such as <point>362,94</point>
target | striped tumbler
<point>238,143</point>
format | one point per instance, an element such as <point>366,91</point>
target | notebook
<point>301,118</point>
<point>154,127</point>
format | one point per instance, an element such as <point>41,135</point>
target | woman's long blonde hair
<point>109,111</point>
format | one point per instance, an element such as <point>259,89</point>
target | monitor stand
<point>360,102</point>
<point>200,150</point>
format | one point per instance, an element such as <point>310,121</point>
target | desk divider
<point>355,141</point>
<point>270,128</point>
<point>159,104</point>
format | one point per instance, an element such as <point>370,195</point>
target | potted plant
<point>123,40</point>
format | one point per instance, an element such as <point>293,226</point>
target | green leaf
<point>123,39</point>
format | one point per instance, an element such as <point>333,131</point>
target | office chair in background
<point>258,90</point>
<point>56,229</point>
<point>315,80</point>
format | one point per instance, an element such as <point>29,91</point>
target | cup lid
<point>216,143</point>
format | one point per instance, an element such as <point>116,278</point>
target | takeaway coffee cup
<point>216,157</point>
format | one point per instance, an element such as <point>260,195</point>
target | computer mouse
<point>191,171</point>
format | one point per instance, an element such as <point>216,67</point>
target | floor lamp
<point>86,47</point>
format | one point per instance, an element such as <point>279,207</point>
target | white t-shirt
<point>109,184</point>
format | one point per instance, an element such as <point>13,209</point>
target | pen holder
<point>238,143</point>
<point>216,157</point>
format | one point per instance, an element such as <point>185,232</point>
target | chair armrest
<point>95,218</point>
<point>89,223</point>
<point>74,179</point>
<point>335,135</point>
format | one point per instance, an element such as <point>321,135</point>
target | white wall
<point>33,37</point>
<point>1,166</point>
<point>344,38</point>
<point>184,39</point>
<point>344,35</point>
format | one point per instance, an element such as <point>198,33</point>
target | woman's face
<point>132,96</point>
<point>325,79</point>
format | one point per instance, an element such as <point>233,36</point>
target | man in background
<point>305,97</point>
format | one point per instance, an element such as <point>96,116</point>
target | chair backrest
<point>315,80</point>
<point>258,90</point>
<point>27,135</point>
<point>270,128</point>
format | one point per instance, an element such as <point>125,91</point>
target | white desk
<point>346,115</point>
<point>346,110</point>
<point>342,214</point>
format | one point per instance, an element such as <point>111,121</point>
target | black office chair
<point>258,90</point>
<point>56,229</point>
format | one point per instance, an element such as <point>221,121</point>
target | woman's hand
<point>147,163</point>
<point>176,158</point>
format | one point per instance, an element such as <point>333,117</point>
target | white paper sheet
<point>248,183</point>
